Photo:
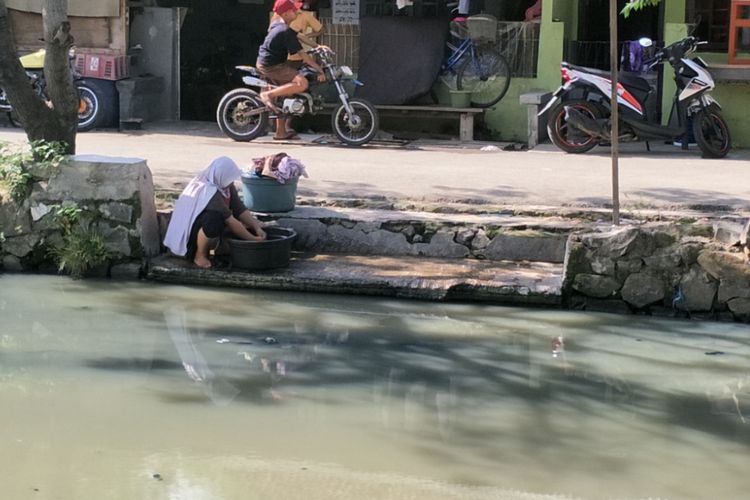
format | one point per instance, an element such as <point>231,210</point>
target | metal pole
<point>613,56</point>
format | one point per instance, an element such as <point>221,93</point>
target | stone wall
<point>425,235</point>
<point>397,234</point>
<point>680,270</point>
<point>116,193</point>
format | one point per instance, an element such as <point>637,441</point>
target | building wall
<point>507,120</point>
<point>103,34</point>
<point>83,8</point>
<point>734,97</point>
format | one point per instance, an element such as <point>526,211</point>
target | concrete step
<point>538,235</point>
<point>511,283</point>
<point>497,237</point>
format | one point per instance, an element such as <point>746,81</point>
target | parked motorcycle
<point>242,116</point>
<point>91,108</point>
<point>581,113</point>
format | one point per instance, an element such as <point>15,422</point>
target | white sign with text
<point>345,11</point>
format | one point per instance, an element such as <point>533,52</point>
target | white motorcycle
<point>580,116</point>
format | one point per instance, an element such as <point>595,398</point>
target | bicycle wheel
<point>486,76</point>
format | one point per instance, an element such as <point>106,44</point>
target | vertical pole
<point>613,57</point>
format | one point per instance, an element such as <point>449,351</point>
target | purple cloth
<point>632,57</point>
<point>280,166</point>
<point>289,168</point>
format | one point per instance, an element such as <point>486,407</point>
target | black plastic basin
<point>271,253</point>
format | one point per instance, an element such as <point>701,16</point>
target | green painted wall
<point>507,120</point>
<point>566,11</point>
<point>551,41</point>
<point>734,98</point>
<point>674,29</point>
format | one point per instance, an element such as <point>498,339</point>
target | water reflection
<point>188,392</point>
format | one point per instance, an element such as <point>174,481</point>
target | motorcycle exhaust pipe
<point>585,123</point>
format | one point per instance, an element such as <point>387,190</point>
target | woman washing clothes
<point>207,208</point>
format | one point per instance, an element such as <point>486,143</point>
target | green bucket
<point>264,194</point>
<point>460,98</point>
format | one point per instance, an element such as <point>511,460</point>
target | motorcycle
<point>242,116</point>
<point>581,112</point>
<point>90,109</point>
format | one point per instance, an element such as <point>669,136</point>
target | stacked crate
<point>102,66</point>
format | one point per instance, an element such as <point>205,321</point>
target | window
<point>712,18</point>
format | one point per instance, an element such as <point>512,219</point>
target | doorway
<point>215,37</point>
<point>591,48</point>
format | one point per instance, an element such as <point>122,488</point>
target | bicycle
<point>478,67</point>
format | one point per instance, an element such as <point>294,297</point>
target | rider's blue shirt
<point>280,41</point>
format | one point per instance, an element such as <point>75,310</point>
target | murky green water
<point>141,391</point>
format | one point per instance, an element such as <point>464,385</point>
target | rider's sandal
<point>291,136</point>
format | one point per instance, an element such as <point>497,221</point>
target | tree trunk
<point>57,118</point>
<point>61,90</point>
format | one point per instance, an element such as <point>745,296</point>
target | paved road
<point>443,171</point>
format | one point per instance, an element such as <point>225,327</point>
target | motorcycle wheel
<point>14,119</point>
<point>567,138</point>
<point>232,118</point>
<point>358,129</point>
<point>91,105</point>
<point>711,133</point>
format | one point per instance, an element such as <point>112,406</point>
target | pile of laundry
<point>280,166</point>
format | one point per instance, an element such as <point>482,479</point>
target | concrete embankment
<point>499,258</point>
<point>682,264</point>
<point>656,263</point>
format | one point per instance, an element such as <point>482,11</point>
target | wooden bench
<point>465,115</point>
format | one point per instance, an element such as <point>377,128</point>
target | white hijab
<point>218,176</point>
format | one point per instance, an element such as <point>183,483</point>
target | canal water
<point>146,391</point>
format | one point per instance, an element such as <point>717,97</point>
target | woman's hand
<point>253,225</point>
<point>259,232</point>
<point>254,237</point>
<point>247,227</point>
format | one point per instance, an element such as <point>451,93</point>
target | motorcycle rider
<point>281,41</point>
<point>305,23</point>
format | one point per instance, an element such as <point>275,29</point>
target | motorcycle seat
<point>584,69</point>
<point>251,70</point>
<point>628,80</point>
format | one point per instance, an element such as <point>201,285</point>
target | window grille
<point>343,39</point>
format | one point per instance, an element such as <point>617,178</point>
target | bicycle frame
<point>467,45</point>
<point>477,67</point>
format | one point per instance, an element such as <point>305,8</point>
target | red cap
<point>281,6</point>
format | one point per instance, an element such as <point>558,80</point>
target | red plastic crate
<point>104,66</point>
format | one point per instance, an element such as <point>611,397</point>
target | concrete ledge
<point>402,233</point>
<point>508,283</point>
<point>730,72</point>
<point>536,126</point>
